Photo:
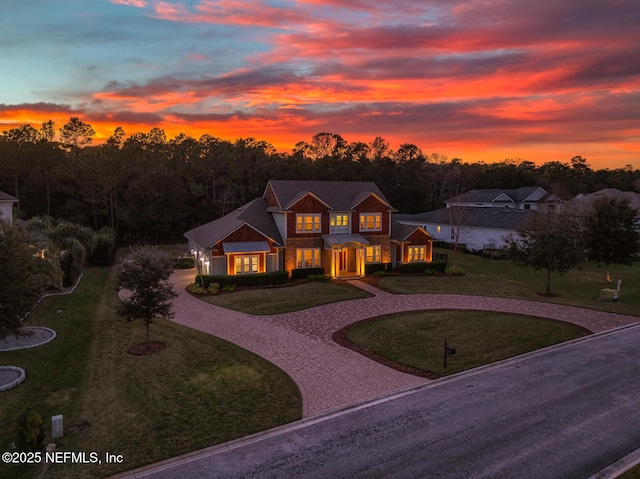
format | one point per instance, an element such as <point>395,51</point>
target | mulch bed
<point>144,349</point>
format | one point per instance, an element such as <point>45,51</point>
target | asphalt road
<point>567,412</point>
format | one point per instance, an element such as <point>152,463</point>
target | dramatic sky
<point>481,80</point>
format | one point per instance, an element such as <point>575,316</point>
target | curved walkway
<point>329,376</point>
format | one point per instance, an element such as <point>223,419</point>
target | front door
<point>347,262</point>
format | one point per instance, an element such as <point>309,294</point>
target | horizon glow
<point>480,80</point>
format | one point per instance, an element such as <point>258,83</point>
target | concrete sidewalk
<point>329,376</point>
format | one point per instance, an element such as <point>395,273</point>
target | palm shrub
<point>29,431</point>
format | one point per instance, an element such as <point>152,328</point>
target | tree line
<point>150,187</point>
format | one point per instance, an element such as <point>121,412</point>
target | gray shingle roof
<point>401,231</point>
<point>7,197</point>
<point>488,195</point>
<point>582,206</point>
<point>496,218</point>
<point>339,195</point>
<point>253,214</point>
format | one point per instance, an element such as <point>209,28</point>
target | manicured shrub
<point>304,273</point>
<point>413,268</point>
<point>318,277</point>
<point>439,266</point>
<point>213,288</point>
<point>259,279</point>
<point>183,262</point>
<point>455,270</point>
<point>420,268</point>
<point>230,288</point>
<point>29,431</point>
<point>195,288</point>
<point>373,268</point>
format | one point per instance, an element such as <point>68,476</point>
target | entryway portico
<point>347,254</point>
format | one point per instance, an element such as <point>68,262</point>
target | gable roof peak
<point>337,195</point>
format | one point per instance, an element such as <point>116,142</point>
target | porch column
<point>334,261</point>
<point>360,261</point>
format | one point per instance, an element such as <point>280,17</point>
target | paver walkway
<point>330,376</point>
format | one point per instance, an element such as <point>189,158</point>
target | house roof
<point>337,195</point>
<point>253,214</point>
<point>517,195</point>
<point>582,205</point>
<point>245,247</point>
<point>401,231</point>
<point>343,238</point>
<point>7,197</point>
<point>494,218</point>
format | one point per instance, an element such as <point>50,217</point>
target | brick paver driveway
<point>330,376</point>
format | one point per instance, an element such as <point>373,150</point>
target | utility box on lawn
<point>608,295</point>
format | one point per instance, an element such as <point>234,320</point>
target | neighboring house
<point>6,207</point>
<point>483,218</point>
<point>340,226</point>
<point>479,228</point>
<point>525,198</point>
<point>581,204</point>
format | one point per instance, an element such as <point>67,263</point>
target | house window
<point>339,223</point>
<point>308,257</point>
<point>370,221</point>
<point>373,254</point>
<point>416,254</point>
<point>246,264</point>
<point>308,223</point>
<point>438,228</point>
<point>453,233</point>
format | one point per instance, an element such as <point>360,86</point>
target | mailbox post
<point>448,350</point>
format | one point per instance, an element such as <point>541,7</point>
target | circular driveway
<point>329,376</point>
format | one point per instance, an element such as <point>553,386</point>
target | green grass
<point>286,299</point>
<point>486,277</point>
<point>416,339</point>
<point>633,473</point>
<point>197,392</point>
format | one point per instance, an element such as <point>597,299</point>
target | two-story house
<point>340,226</point>
<point>523,198</point>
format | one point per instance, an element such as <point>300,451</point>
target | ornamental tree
<point>549,241</point>
<point>26,269</point>
<point>610,232</point>
<point>145,275</point>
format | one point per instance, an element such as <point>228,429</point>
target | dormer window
<point>370,221</point>
<point>308,223</point>
<point>339,223</point>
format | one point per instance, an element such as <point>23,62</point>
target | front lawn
<point>486,277</point>
<point>286,298</point>
<point>198,391</point>
<point>416,339</point>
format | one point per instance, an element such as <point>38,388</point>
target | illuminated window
<point>308,223</point>
<point>438,229</point>
<point>373,254</point>
<point>308,257</point>
<point>339,223</point>
<point>370,221</point>
<point>416,254</point>
<point>246,264</point>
